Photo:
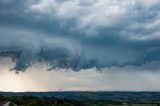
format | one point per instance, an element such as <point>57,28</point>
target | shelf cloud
<point>80,34</point>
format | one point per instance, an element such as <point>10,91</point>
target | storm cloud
<point>80,34</point>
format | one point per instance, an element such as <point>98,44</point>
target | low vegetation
<point>83,98</point>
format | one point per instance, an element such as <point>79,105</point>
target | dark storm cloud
<point>80,34</point>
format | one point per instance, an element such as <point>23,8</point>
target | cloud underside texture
<point>80,34</point>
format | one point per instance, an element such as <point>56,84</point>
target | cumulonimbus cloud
<point>80,34</point>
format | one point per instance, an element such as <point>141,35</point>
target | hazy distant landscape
<point>70,98</point>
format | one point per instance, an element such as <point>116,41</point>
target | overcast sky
<point>95,44</point>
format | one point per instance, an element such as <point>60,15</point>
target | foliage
<point>54,101</point>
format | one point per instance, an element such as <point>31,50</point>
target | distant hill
<point>147,97</point>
